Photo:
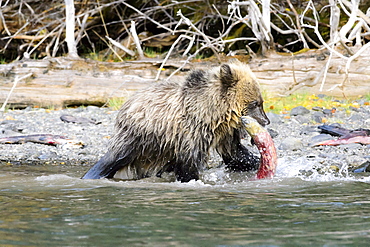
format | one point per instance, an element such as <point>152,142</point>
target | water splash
<point>290,169</point>
<point>53,177</point>
<point>314,170</point>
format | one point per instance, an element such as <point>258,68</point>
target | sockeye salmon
<point>265,145</point>
<point>346,136</point>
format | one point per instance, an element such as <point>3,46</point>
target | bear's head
<point>240,82</point>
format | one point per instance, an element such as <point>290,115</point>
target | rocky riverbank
<point>295,132</point>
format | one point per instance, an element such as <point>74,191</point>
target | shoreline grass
<point>281,105</point>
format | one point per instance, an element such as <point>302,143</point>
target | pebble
<point>321,138</point>
<point>363,110</point>
<point>291,143</point>
<point>317,108</point>
<point>299,110</point>
<point>351,146</point>
<point>302,119</point>
<point>47,156</point>
<point>273,133</point>
<point>365,167</point>
<point>356,117</point>
<point>274,118</point>
<point>354,109</point>
<point>309,130</point>
<point>318,117</point>
<point>321,96</point>
<point>92,108</point>
<point>328,112</point>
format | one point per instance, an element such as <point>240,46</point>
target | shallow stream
<point>51,206</point>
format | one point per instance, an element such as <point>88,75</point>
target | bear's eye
<point>253,104</point>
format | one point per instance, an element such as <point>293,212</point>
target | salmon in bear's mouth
<point>265,145</point>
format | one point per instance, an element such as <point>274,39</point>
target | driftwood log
<point>61,82</point>
<point>313,72</point>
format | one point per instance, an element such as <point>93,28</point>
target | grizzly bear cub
<point>172,126</point>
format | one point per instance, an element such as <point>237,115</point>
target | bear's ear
<point>226,76</point>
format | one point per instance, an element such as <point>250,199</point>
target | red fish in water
<point>265,145</point>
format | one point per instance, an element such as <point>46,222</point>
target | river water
<point>51,206</point>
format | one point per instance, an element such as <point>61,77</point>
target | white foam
<point>310,170</point>
<point>288,168</point>
<point>292,167</point>
<point>53,177</point>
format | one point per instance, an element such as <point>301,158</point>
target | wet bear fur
<point>172,126</point>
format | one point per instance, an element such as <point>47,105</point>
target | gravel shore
<point>295,132</point>
<point>42,121</point>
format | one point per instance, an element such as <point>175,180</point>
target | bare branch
<point>298,25</point>
<point>359,12</point>
<point>3,22</point>
<point>152,20</point>
<point>16,80</point>
<point>70,29</point>
<point>170,51</point>
<point>136,40</point>
<point>125,49</point>
<point>209,44</point>
<point>350,59</point>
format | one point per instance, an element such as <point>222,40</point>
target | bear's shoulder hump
<point>196,78</point>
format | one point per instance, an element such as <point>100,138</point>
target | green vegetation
<point>116,102</point>
<point>367,97</point>
<point>103,58</point>
<point>95,56</point>
<point>281,105</point>
<point>152,53</point>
